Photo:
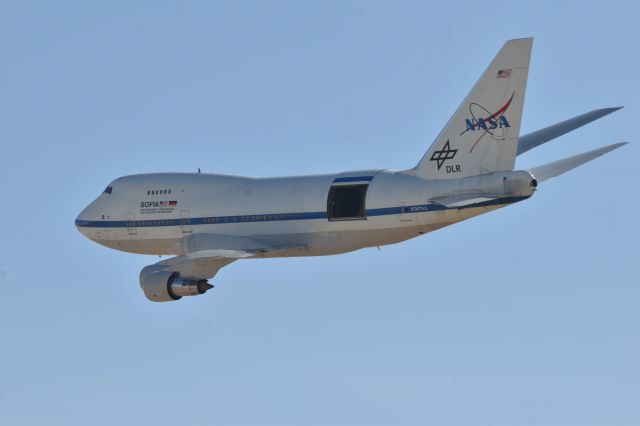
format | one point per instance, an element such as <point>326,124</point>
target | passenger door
<point>131,224</point>
<point>185,221</point>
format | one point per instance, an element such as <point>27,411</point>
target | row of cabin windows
<point>158,191</point>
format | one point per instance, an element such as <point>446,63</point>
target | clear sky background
<point>525,316</point>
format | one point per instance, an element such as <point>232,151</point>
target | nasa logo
<point>489,123</point>
<point>492,124</point>
<point>483,119</point>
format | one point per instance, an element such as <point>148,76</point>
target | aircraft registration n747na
<point>208,221</point>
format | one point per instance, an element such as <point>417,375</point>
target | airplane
<point>208,221</point>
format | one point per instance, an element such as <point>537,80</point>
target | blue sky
<point>525,316</point>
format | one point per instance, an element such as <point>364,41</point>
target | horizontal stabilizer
<point>547,171</point>
<point>461,200</point>
<point>533,139</point>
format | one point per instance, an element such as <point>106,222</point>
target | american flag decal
<point>504,73</point>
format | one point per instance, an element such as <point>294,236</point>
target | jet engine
<point>164,286</point>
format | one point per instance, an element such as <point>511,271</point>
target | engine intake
<point>163,286</point>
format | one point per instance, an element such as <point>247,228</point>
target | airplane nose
<point>84,218</point>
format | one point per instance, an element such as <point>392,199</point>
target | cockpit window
<point>108,190</point>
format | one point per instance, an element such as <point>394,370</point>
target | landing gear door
<point>185,221</point>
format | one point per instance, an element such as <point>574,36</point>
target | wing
<point>206,254</point>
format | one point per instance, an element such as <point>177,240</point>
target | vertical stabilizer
<point>482,136</point>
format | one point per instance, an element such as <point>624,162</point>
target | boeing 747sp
<point>208,221</point>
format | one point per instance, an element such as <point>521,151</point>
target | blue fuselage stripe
<point>353,179</point>
<point>275,217</point>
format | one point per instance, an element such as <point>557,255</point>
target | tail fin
<point>482,136</point>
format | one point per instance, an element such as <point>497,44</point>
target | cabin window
<point>158,191</point>
<point>347,202</point>
<point>108,190</point>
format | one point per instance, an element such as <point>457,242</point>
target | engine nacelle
<point>164,286</point>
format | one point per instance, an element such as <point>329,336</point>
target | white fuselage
<point>153,213</point>
<point>209,221</point>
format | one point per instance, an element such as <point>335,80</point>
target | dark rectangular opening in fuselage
<point>347,202</point>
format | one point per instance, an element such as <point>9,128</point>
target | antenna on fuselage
<point>198,169</point>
